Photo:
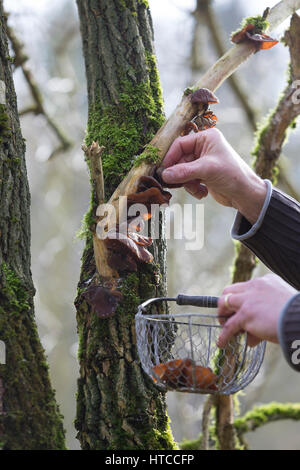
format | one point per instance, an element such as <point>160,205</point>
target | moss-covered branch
<point>265,414</point>
<point>257,417</point>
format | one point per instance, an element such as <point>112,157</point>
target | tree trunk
<point>29,416</point>
<point>118,407</point>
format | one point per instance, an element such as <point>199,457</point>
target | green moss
<point>5,129</point>
<point>131,4</point>
<point>265,127</point>
<point>161,440</point>
<point>192,444</point>
<point>261,132</point>
<point>150,155</point>
<point>33,419</point>
<point>188,91</point>
<point>260,23</point>
<point>122,129</point>
<point>262,415</point>
<point>88,223</point>
<point>218,361</point>
<point>14,290</point>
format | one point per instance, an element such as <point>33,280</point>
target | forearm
<point>275,237</point>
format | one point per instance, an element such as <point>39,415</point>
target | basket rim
<point>165,316</point>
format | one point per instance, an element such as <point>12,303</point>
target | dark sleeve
<point>275,239</point>
<point>289,332</point>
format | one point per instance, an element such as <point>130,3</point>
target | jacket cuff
<point>242,229</point>
<point>289,331</point>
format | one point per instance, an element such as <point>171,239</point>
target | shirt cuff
<point>242,229</point>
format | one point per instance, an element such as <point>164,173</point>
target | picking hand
<point>206,163</point>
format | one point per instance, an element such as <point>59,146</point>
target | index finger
<point>181,147</point>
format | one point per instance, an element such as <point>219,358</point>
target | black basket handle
<point>197,300</point>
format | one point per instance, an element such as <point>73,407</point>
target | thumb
<point>183,172</point>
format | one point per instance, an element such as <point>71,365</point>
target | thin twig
<point>205,9</point>
<point>38,107</point>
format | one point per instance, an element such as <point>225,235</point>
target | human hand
<point>206,163</point>
<point>254,307</point>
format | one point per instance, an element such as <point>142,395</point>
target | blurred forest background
<point>59,185</point>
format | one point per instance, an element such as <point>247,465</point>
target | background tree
<point>29,415</point>
<point>117,406</point>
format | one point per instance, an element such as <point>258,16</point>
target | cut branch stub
<point>93,153</point>
<point>260,40</point>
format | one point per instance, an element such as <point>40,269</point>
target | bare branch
<point>271,139</point>
<point>38,106</point>
<point>205,10</point>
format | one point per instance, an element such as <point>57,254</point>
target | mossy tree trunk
<point>118,407</point>
<point>29,416</point>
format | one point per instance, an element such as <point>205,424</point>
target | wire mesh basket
<point>179,351</point>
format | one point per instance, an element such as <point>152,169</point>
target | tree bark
<point>29,415</point>
<point>118,407</point>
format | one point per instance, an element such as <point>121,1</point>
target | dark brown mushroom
<point>126,247</point>
<point>204,96</point>
<point>158,176</point>
<point>120,262</point>
<point>151,196</point>
<point>121,244</point>
<point>240,36</point>
<point>146,182</point>
<point>260,40</point>
<point>103,301</point>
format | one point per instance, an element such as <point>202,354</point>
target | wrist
<point>250,198</point>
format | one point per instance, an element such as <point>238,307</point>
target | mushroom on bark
<point>103,301</point>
